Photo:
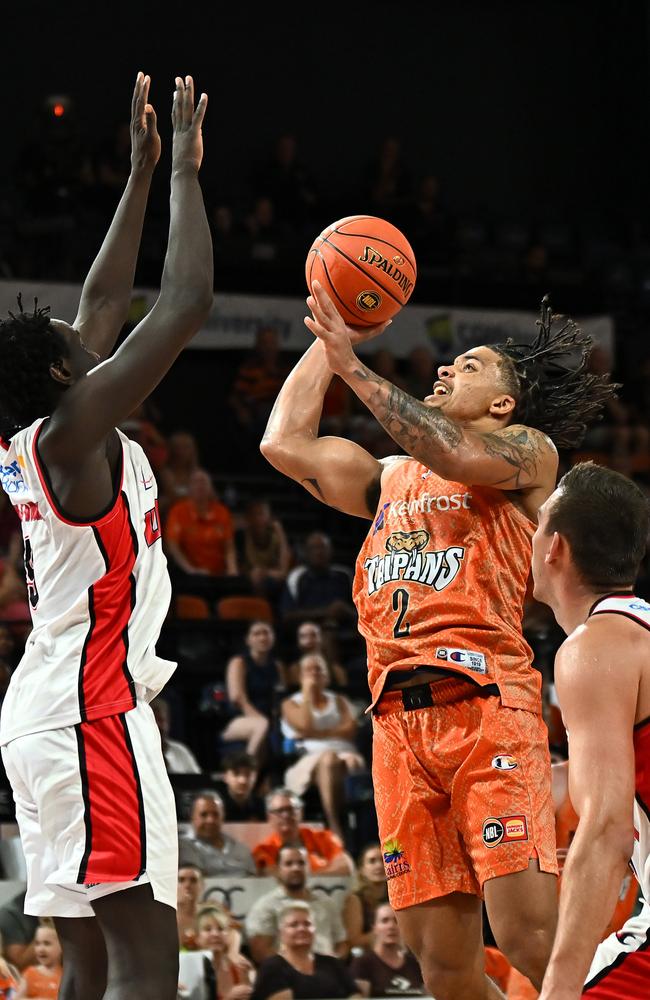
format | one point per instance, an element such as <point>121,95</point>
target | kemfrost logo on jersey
<point>407,559</point>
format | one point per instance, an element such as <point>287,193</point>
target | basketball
<point>366,266</point>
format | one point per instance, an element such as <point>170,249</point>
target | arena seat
<point>191,606</point>
<point>244,608</point>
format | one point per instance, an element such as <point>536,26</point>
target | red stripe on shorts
<point>105,682</point>
<point>115,849</point>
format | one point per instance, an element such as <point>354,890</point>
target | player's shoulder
<point>524,434</point>
<point>603,649</point>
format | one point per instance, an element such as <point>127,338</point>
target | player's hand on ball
<point>328,325</point>
<point>145,141</point>
<point>187,146</point>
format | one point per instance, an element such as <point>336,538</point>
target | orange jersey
<point>441,581</point>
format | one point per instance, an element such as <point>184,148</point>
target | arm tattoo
<point>422,431</point>
<point>519,448</point>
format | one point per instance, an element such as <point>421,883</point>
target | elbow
<point>274,451</point>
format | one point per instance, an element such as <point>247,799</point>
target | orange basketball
<point>366,265</point>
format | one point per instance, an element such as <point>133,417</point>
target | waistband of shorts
<point>430,693</point>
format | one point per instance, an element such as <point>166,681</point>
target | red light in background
<point>58,110</point>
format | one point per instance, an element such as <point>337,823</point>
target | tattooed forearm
<point>423,432</point>
<point>507,459</point>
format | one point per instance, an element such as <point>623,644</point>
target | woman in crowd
<point>253,679</point>
<point>324,728</point>
<point>311,639</point>
<point>369,890</point>
<point>388,969</point>
<point>297,972</point>
<point>265,555</point>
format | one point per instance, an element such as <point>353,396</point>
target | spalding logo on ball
<point>366,265</point>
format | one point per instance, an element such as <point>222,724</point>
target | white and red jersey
<point>638,611</point>
<point>98,590</point>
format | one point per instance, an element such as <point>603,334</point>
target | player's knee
<point>528,950</point>
<point>449,982</point>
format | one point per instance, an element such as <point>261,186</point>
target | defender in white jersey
<point>79,741</point>
<point>587,550</point>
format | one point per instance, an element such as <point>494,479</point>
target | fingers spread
<point>199,114</point>
<point>136,94</point>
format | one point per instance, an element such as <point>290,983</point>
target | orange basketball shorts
<point>462,790</point>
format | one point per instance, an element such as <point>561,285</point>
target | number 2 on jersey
<point>401,629</point>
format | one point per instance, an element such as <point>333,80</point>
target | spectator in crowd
<point>337,408</point>
<point>13,593</point>
<point>388,181</point>
<point>240,802</point>
<point>199,535</point>
<point>207,847</point>
<point>223,974</point>
<point>298,972</point>
<point>288,181</point>
<point>179,759</point>
<point>10,978</point>
<point>9,523</point>
<point>43,979</point>
<point>17,930</point>
<point>421,372</point>
<point>190,889</point>
<point>310,638</point>
<point>368,891</point>
<point>182,461</point>
<point>268,233</point>
<point>261,924</point>
<point>325,850</point>
<point>141,427</point>
<point>428,228</point>
<point>324,728</point>
<point>388,969</point>
<point>317,589</point>
<point>253,679</point>
<point>264,555</point>
<point>257,383</point>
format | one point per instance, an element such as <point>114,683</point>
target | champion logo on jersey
<point>504,762</point>
<point>407,560</point>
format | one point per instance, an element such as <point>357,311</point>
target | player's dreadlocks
<point>553,396</point>
<point>29,344</point>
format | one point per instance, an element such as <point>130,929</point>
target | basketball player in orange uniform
<point>587,551</point>
<point>461,766</point>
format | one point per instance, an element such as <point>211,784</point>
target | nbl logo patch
<point>504,830</point>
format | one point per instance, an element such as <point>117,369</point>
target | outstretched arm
<point>95,403</point>
<point>597,685</point>
<point>336,471</point>
<point>106,294</point>
<point>514,458</point>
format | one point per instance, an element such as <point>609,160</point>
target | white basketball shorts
<point>95,811</point>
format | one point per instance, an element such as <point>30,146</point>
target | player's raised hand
<point>326,308</point>
<point>328,325</point>
<point>145,141</point>
<point>187,122</point>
